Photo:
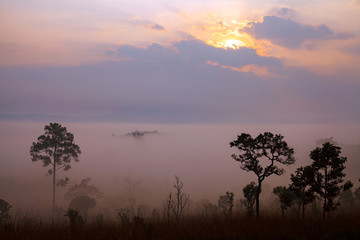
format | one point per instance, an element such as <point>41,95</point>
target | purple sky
<point>184,62</point>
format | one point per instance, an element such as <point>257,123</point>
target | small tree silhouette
<point>83,189</point>
<point>301,185</point>
<point>249,192</point>
<point>266,147</point>
<point>178,203</point>
<point>124,216</point>
<point>131,190</point>
<point>74,217</point>
<point>4,210</point>
<point>285,195</point>
<point>357,195</point>
<point>346,197</point>
<point>82,204</point>
<point>226,202</point>
<point>167,208</point>
<point>329,166</point>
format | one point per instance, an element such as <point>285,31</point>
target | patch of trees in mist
<point>316,189</point>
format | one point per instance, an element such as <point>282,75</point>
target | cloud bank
<point>146,24</point>
<point>177,84</point>
<point>287,33</point>
<point>195,52</point>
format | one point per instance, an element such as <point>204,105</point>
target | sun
<point>233,43</point>
<point>230,43</point>
<point>226,34</point>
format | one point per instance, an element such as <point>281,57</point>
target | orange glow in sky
<point>229,35</point>
<point>75,34</point>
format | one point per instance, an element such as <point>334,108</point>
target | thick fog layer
<point>114,155</point>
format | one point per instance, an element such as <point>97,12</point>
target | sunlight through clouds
<point>192,48</point>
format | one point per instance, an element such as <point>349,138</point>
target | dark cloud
<point>157,27</point>
<point>146,24</point>
<point>285,12</point>
<point>287,33</point>
<point>196,52</point>
<point>176,85</point>
<point>110,52</point>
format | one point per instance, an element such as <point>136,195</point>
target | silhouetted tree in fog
<point>178,202</point>
<point>226,202</point>
<point>357,195</point>
<point>74,217</point>
<point>329,166</point>
<point>249,192</point>
<point>82,204</point>
<point>55,148</point>
<point>4,210</point>
<point>268,148</point>
<point>301,185</point>
<point>83,196</point>
<point>285,195</point>
<point>83,189</point>
<point>346,197</point>
<point>207,208</point>
<point>131,190</point>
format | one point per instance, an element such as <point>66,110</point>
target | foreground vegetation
<point>215,226</point>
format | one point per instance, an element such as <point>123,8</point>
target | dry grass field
<point>210,227</point>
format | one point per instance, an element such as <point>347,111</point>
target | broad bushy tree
<point>262,155</point>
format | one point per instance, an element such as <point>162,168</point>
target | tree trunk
<point>303,209</point>
<point>282,212</point>
<point>53,200</point>
<point>54,169</point>
<point>325,193</point>
<point>257,198</point>
<point>303,203</point>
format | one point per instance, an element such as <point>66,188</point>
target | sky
<point>181,61</point>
